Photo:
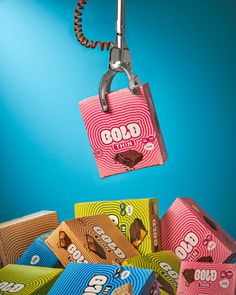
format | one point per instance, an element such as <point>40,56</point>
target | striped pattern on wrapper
<point>27,279</point>
<point>88,240</point>
<point>16,235</point>
<point>39,254</point>
<point>124,213</point>
<point>124,108</point>
<point>165,264</point>
<point>112,279</point>
<point>191,233</point>
<point>207,278</point>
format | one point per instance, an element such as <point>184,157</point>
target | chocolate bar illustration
<point>95,247</point>
<point>126,289</point>
<point>129,158</point>
<point>64,240</point>
<point>137,232</point>
<point>74,242</point>
<point>189,275</point>
<point>205,259</point>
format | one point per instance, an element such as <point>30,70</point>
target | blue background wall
<point>185,49</point>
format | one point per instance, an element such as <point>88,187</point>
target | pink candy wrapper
<point>193,235</point>
<point>128,136</point>
<point>207,278</point>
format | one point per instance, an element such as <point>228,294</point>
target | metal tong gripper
<point>120,60</point>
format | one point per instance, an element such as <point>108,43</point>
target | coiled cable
<point>79,30</point>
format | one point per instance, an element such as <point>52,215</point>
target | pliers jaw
<point>120,60</point>
<point>105,84</point>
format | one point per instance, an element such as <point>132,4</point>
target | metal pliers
<point>120,60</point>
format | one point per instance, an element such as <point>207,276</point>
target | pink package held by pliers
<point>126,137</point>
<point>122,126</point>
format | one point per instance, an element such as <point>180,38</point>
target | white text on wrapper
<point>171,273</point>
<point>187,245</point>
<point>208,275</point>
<point>108,243</point>
<point>76,254</point>
<point>155,232</point>
<point>96,285</point>
<point>118,134</point>
<point>11,287</point>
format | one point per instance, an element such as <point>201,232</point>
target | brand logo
<point>173,274</point>
<point>108,242</point>
<point>155,231</point>
<point>11,287</point>
<point>95,285</point>
<point>187,246</point>
<point>120,133</point>
<point>208,275</point>
<point>76,254</point>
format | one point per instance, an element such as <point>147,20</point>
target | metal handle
<point>120,59</point>
<point>120,26</point>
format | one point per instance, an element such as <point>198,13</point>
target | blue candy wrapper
<point>39,254</point>
<point>83,278</point>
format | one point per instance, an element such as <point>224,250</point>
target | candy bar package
<point>39,254</point>
<point>207,278</point>
<point>16,235</point>
<point>165,264</point>
<point>93,239</point>
<point>128,136</point>
<point>24,280</point>
<point>137,219</point>
<point>192,234</point>
<point>105,279</point>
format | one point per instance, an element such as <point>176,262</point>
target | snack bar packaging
<point>39,254</point>
<point>207,278</point>
<point>16,235</point>
<point>137,219</point>
<point>193,235</point>
<point>165,264</point>
<point>105,279</point>
<point>24,280</point>
<point>94,239</point>
<point>128,136</point>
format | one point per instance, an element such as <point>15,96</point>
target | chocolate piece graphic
<point>210,222</point>
<point>129,158</point>
<point>137,232</point>
<point>64,240</point>
<point>126,289</point>
<point>98,241</point>
<point>95,247</point>
<point>205,259</point>
<point>164,285</point>
<point>189,275</point>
